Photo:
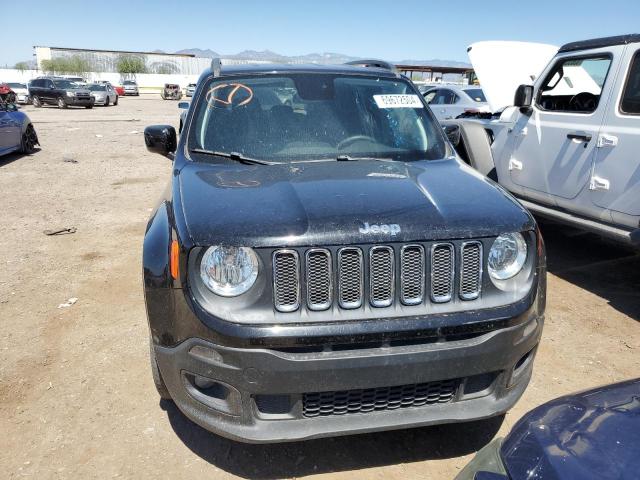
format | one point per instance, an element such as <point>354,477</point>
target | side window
<point>50,84</point>
<point>630,103</point>
<point>454,98</point>
<point>442,97</point>
<point>430,96</point>
<point>448,97</point>
<point>574,85</point>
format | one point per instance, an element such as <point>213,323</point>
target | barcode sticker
<point>398,101</point>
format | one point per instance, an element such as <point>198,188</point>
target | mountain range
<point>321,58</point>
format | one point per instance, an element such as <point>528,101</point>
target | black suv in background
<point>323,263</point>
<point>60,92</point>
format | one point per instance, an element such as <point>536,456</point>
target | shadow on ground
<point>600,266</point>
<point>14,157</point>
<point>332,454</point>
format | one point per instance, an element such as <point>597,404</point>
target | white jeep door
<point>552,147</point>
<point>615,181</point>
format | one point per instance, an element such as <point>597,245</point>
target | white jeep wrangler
<point>569,145</point>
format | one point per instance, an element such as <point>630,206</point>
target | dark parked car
<point>60,92</point>
<point>333,268</point>
<point>593,435</point>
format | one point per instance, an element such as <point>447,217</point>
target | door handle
<point>581,137</point>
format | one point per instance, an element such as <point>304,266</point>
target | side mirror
<point>523,97</point>
<point>183,105</point>
<point>453,133</point>
<point>161,139</point>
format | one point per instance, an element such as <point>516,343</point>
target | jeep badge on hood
<point>392,228</point>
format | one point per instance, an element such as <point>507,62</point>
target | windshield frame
<point>187,143</point>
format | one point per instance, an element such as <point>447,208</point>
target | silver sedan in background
<point>21,91</point>
<point>130,88</point>
<point>190,90</point>
<point>103,94</point>
<point>449,101</point>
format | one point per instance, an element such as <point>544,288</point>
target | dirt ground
<point>76,395</point>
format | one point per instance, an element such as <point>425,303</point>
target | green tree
<point>21,66</point>
<point>75,65</point>
<point>130,65</point>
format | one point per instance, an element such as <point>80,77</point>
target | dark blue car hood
<point>591,435</point>
<point>326,203</point>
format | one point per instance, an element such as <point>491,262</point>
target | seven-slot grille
<point>325,404</point>
<point>425,273</point>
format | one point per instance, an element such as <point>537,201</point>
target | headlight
<point>507,256</point>
<point>229,271</point>
<point>70,94</point>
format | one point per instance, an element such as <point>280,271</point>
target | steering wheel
<point>584,102</point>
<point>353,139</point>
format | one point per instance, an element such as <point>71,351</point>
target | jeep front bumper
<point>264,395</point>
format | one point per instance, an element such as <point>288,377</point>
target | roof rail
<point>373,63</point>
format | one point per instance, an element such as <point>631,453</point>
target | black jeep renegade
<point>323,263</point>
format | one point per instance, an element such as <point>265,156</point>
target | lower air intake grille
<point>286,280</point>
<point>326,404</point>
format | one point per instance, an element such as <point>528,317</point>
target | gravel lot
<point>76,395</point>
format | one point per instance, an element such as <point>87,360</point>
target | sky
<point>387,29</point>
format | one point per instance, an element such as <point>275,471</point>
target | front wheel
<point>61,103</point>
<point>29,140</point>
<point>36,102</point>
<point>106,102</point>
<point>115,102</point>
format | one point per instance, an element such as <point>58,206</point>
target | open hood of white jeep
<point>502,66</point>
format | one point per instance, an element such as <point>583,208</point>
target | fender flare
<point>156,250</point>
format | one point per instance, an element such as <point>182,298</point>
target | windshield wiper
<point>348,158</point>
<point>233,156</point>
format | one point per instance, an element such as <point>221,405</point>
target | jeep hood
<point>326,203</point>
<point>503,66</point>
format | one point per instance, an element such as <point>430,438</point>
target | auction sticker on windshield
<point>398,101</point>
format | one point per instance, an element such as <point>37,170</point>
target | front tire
<point>36,102</point>
<point>61,103</point>
<point>115,102</point>
<point>106,102</point>
<point>157,376</point>
<point>29,140</point>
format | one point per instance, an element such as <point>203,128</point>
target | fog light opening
<point>217,395</point>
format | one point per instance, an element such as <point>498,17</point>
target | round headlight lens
<point>229,271</point>
<point>507,256</point>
